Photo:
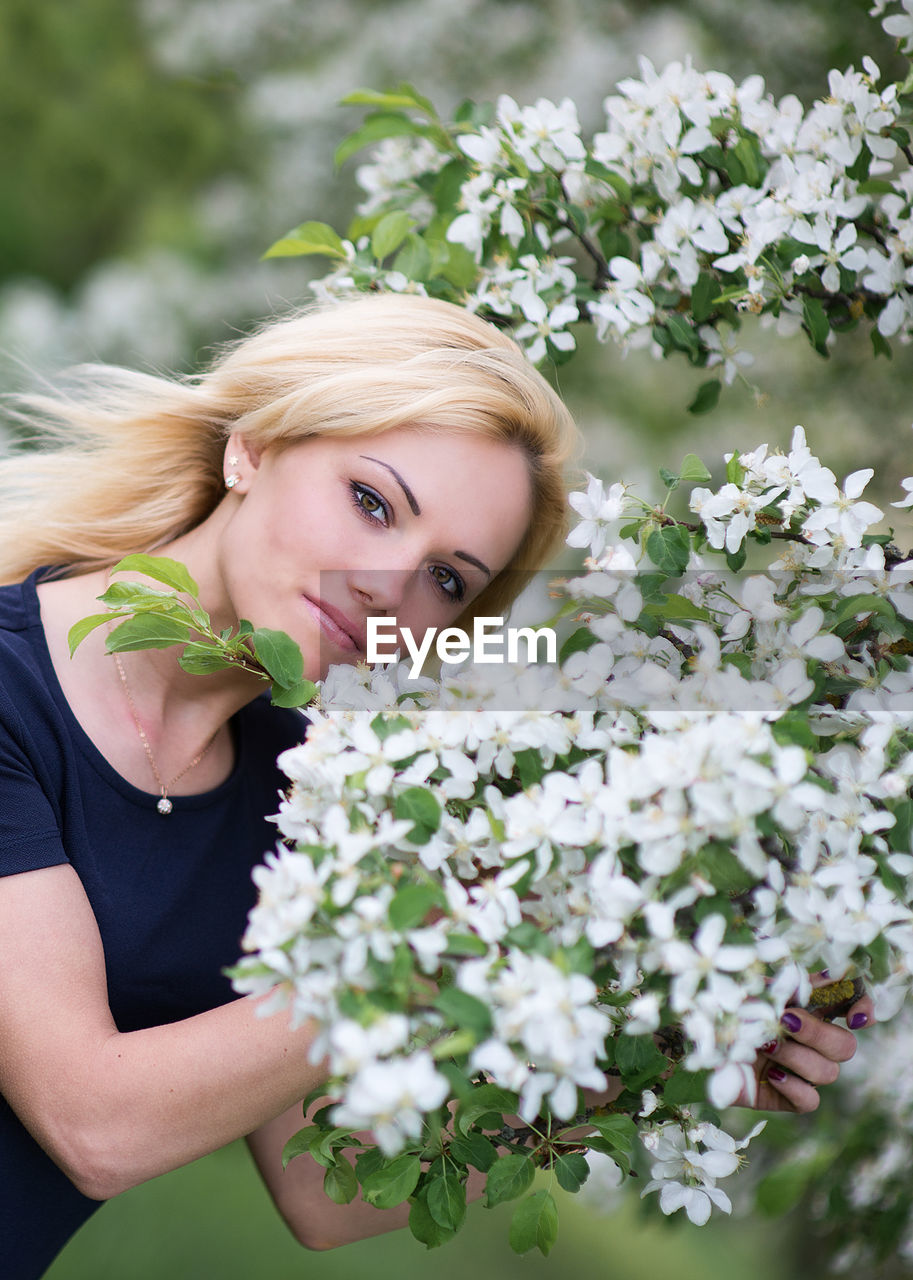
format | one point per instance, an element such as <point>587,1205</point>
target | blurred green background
<point>154,149</point>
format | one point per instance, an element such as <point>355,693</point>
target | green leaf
<point>639,1061</point>
<point>677,608</point>
<point>137,595</point>
<point>618,1131</point>
<point>279,654</point>
<point>484,1100</point>
<point>459,267</point>
<point>161,569</point>
<point>508,1178</point>
<point>340,1182</point>
<point>368,1162</point>
<point>393,1183</point>
<point>84,626</point>
<point>723,869</point>
<point>880,345</point>
<point>749,156</point>
<point>686,1086</point>
<point>405,97</point>
<point>298,695</point>
<point>300,1143</point>
<point>900,836</point>
<point>669,548</point>
<point>308,238</point>
<point>816,323</point>
<point>857,606</point>
<point>465,944</point>
<point>702,296</point>
<point>669,478</point>
<point>475,1149</point>
<point>681,333</point>
<point>446,1199</point>
<point>572,1171</point>
<point>418,805</point>
<point>706,399</point>
<point>201,658</point>
<point>414,259</point>
<point>464,1010</point>
<point>411,904</point>
<point>693,471</point>
<point>423,1226</point>
<point>577,642</point>
<point>875,187</point>
<point>735,472</point>
<point>147,631</point>
<point>390,233</point>
<point>534,1224</point>
<point>375,127</point>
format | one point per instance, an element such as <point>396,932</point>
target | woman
<point>392,456</point>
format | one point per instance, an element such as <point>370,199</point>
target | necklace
<point>164,805</point>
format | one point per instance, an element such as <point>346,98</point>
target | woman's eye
<point>448,582</point>
<point>370,504</point>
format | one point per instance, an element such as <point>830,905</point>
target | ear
<point>239,463</point>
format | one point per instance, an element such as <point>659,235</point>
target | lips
<point>338,628</point>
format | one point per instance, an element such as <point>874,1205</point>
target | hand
<point>807,1054</point>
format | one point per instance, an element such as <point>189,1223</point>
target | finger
<point>827,1039</point>
<point>804,1062</point>
<point>782,1091</point>
<point>862,1014</point>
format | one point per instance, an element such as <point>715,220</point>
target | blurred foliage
<point>105,148</point>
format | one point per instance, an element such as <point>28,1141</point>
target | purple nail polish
<point>792,1022</point>
<point>825,973</point>
<point>777,1074</point>
<point>858,1020</point>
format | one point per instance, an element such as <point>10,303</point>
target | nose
<point>380,590</point>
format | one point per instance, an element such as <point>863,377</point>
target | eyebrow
<point>417,511</point>
<point>410,496</point>
<point>464,555</point>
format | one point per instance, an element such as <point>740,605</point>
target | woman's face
<point>330,531</point>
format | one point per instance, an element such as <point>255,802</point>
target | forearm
<point>148,1101</point>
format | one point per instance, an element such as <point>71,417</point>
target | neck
<point>168,699</point>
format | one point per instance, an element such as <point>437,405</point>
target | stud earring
<point>233,460</point>
<point>232,480</point>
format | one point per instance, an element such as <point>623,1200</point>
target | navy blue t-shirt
<point>170,893</point>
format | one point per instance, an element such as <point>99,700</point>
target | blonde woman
<point>391,456</point>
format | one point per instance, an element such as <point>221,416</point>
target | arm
<point>311,1216</point>
<point>113,1109</point>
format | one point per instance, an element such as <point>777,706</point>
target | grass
<point>214,1219</point>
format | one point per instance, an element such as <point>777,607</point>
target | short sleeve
<point>29,829</point>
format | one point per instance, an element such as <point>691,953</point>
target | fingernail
<point>791,1021</point>
<point>770,1047</point>
<point>858,1020</point>
<point>776,1074</point>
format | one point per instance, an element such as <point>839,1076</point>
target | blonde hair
<point>138,458</point>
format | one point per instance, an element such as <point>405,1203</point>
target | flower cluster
<point>701,199</point>
<point>531,927</point>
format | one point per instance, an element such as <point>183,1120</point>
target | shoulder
<point>21,681</point>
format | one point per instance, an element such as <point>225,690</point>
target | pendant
<point>164,806</point>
